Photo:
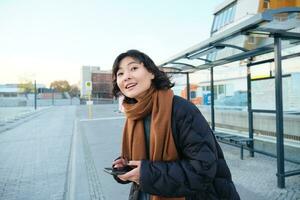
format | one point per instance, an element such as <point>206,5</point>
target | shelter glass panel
<point>291,130</point>
<point>263,93</point>
<point>202,78</point>
<point>291,106</point>
<point>200,87</point>
<point>231,98</point>
<point>264,128</point>
<point>180,84</point>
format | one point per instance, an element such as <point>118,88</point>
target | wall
<point>264,123</point>
<point>274,4</point>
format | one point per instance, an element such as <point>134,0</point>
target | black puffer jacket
<point>201,172</point>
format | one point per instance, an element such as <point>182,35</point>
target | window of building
<point>193,94</point>
<point>251,39</point>
<point>266,4</point>
<point>224,17</point>
<point>221,89</point>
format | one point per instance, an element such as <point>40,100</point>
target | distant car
<point>239,98</point>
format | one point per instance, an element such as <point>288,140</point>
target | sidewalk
<point>34,156</point>
<point>255,178</point>
<point>60,154</point>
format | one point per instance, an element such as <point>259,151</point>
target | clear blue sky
<point>50,40</point>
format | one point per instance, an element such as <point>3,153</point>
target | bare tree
<point>60,86</point>
<point>74,91</point>
<point>26,86</point>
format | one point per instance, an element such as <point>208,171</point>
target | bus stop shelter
<point>264,33</point>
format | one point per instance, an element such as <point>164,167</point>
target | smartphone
<point>113,171</point>
<point>120,170</point>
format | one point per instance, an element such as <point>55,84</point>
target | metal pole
<point>279,112</point>
<point>35,95</point>
<point>52,96</point>
<point>90,111</point>
<point>250,113</point>
<point>212,97</point>
<point>188,86</point>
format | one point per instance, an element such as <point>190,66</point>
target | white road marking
<point>102,119</point>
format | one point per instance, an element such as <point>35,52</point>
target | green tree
<point>60,86</point>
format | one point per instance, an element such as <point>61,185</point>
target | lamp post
<point>52,89</point>
<point>35,94</point>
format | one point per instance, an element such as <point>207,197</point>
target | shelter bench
<point>238,141</point>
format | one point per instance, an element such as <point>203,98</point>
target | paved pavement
<point>255,178</point>
<point>61,155</point>
<point>34,156</point>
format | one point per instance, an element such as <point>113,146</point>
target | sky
<point>48,40</point>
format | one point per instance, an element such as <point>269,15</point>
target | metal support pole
<point>188,86</point>
<point>279,112</point>
<point>250,113</point>
<point>35,94</point>
<point>242,152</point>
<point>212,97</point>
<point>90,111</point>
<point>52,96</point>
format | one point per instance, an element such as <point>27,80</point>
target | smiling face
<point>133,78</point>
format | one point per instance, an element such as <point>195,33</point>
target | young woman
<point>165,138</point>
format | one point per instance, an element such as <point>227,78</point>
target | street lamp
<point>35,94</point>
<point>52,90</point>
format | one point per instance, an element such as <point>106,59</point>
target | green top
<point>147,123</point>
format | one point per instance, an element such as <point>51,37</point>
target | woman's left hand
<point>133,175</point>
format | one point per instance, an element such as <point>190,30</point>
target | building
<point>14,94</point>
<point>16,90</point>
<point>86,76</point>
<point>232,13</point>
<point>193,94</point>
<point>101,83</point>
<point>9,90</point>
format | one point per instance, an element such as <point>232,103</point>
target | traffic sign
<point>88,85</point>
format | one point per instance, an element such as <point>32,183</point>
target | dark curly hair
<point>160,82</point>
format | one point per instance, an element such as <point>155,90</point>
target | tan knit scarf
<point>162,146</point>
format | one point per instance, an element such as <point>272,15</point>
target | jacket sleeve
<point>196,168</point>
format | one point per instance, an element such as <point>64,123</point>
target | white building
<point>231,77</point>
<point>86,75</point>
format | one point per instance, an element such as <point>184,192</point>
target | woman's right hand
<point>118,163</point>
<point>121,162</point>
